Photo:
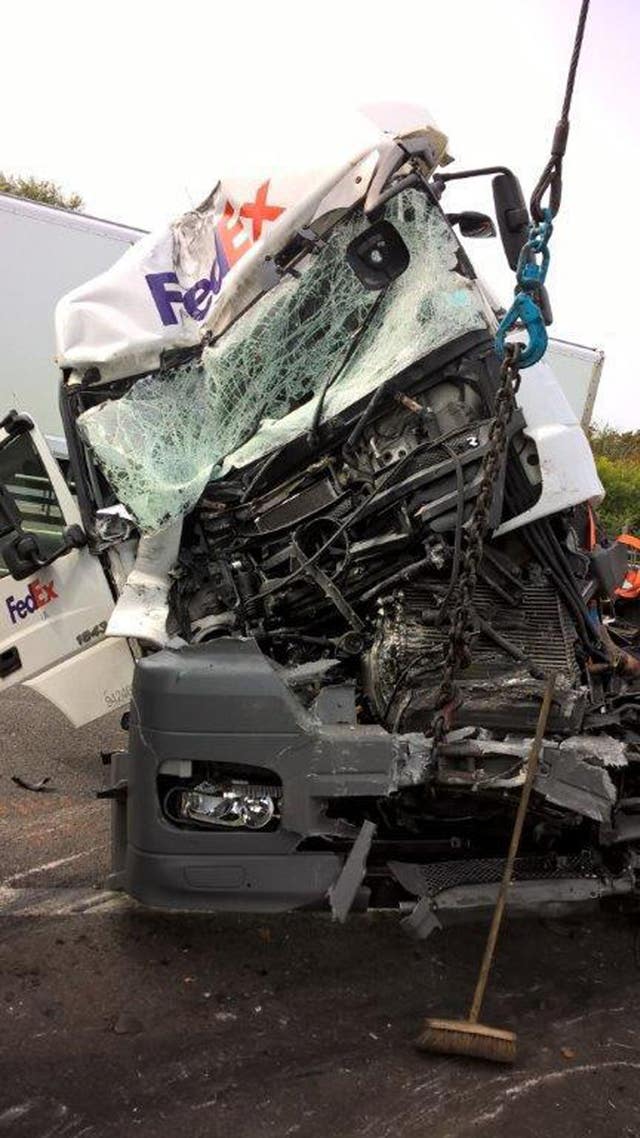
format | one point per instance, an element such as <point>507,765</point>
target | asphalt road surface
<point>119,1021</point>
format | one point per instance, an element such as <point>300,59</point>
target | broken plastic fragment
<point>41,786</point>
<point>143,605</point>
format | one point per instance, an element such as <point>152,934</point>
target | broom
<point>467,1036</point>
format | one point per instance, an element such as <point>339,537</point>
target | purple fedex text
<point>39,594</point>
<point>231,241</point>
<point>168,295</point>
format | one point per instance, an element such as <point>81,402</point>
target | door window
<point>24,477</point>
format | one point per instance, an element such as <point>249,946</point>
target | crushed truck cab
<point>277,413</point>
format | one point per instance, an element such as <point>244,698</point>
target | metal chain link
<point>531,276</point>
<point>458,654</point>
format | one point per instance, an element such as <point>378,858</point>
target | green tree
<point>617,455</point>
<point>39,190</point>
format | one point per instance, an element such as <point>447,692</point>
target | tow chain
<point>458,653</point>
<point>526,309</point>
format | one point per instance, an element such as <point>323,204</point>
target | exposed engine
<point>342,566</point>
<point>351,561</point>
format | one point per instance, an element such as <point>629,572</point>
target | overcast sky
<point>141,106</point>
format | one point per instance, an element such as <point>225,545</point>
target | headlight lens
<point>239,805</point>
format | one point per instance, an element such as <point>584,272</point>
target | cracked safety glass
<point>257,387</point>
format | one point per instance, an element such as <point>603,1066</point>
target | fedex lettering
<point>231,241</point>
<point>39,594</point>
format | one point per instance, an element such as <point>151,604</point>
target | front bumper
<point>224,702</point>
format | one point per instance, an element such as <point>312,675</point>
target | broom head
<point>460,1037</point>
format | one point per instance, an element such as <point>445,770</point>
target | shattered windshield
<point>258,386</point>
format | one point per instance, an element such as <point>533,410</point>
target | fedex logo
<point>231,241</point>
<point>39,594</point>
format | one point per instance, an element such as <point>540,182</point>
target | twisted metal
<point>458,654</point>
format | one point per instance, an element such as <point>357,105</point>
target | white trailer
<point>45,252</point>
<point>578,370</point>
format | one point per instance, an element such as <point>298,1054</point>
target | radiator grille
<point>430,880</point>
<point>539,626</point>
<point>298,506</point>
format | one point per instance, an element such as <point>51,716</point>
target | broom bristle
<point>459,1037</point>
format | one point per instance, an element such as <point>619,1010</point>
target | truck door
<point>55,599</point>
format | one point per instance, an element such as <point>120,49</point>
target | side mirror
<point>32,522</point>
<point>512,215</point>
<point>22,553</point>
<point>472,224</point>
<point>378,255</point>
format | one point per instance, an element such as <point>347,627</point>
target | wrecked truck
<point>277,412</point>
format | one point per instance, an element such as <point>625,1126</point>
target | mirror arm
<point>511,209</point>
<point>440,180</point>
<point>22,555</point>
<point>74,538</point>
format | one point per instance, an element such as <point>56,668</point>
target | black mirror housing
<point>22,554</point>
<point>512,215</point>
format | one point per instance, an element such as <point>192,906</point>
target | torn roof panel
<point>199,273</point>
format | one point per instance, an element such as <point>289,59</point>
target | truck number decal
<point>90,634</point>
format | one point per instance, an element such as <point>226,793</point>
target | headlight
<point>238,805</point>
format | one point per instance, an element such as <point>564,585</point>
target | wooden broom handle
<point>532,769</point>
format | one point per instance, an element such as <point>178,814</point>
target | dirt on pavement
<point>121,1021</point>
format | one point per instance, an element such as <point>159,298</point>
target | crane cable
<point>551,177</point>
<point>528,306</point>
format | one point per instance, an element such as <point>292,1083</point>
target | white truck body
<point>45,251</point>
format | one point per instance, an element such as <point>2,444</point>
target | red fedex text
<point>232,239</point>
